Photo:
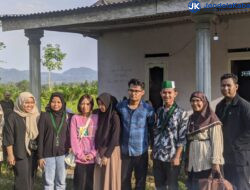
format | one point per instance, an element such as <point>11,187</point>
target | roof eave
<point>96,15</point>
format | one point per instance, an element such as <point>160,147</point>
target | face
<point>85,106</point>
<point>28,105</point>
<point>101,106</point>
<point>56,103</point>
<point>228,88</point>
<point>135,92</point>
<point>168,96</point>
<point>197,104</point>
<point>7,96</point>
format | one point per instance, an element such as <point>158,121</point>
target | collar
<point>139,106</point>
<point>234,101</point>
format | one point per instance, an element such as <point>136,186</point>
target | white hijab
<point>31,118</point>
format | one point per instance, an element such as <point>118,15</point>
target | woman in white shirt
<point>205,141</point>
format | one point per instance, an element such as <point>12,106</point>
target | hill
<point>72,75</point>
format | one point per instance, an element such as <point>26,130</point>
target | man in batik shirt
<point>169,139</point>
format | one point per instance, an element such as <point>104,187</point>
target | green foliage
<point>52,59</point>
<point>23,85</point>
<point>72,92</point>
<point>53,56</point>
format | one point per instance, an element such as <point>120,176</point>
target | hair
<point>136,82</point>
<point>229,76</point>
<point>88,97</point>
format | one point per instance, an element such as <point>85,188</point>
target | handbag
<point>70,159</point>
<point>33,145</point>
<point>212,183</point>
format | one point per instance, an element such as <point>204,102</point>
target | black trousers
<point>166,176</point>
<point>83,176</point>
<point>239,176</point>
<point>138,164</point>
<point>193,178</point>
<point>24,171</point>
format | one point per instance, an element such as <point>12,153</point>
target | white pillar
<point>203,53</point>
<point>35,62</point>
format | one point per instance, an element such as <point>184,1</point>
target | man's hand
<point>175,161</point>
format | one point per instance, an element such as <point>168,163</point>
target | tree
<point>23,85</point>
<point>52,59</point>
<point>2,46</point>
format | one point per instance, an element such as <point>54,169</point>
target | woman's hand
<point>89,157</point>
<point>41,163</point>
<point>104,161</point>
<point>216,169</point>
<point>11,159</point>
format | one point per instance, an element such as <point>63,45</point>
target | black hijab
<point>104,120</point>
<point>62,110</point>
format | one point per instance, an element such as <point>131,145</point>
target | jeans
<point>166,175</point>
<point>138,164</point>
<point>55,173</point>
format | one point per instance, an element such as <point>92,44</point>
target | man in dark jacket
<point>234,112</point>
<point>7,104</point>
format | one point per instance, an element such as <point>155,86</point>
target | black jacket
<point>236,130</point>
<point>47,137</point>
<point>14,134</point>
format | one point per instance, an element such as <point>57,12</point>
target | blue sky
<point>81,51</point>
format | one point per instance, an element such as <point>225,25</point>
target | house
<point>152,40</point>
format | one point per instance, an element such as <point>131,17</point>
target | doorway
<point>241,68</point>
<point>156,75</point>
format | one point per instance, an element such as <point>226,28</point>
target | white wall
<point>121,55</point>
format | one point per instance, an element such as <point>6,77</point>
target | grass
<point>7,179</point>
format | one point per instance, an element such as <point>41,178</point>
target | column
<point>34,62</point>
<point>203,53</point>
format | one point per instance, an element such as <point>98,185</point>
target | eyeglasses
<point>134,91</point>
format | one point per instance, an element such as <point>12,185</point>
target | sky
<point>81,51</point>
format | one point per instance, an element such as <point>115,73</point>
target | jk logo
<point>194,6</point>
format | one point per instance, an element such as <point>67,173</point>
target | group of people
<point>112,142</point>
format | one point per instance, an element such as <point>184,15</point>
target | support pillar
<point>203,53</point>
<point>35,62</point>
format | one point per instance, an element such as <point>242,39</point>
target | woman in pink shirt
<point>82,133</point>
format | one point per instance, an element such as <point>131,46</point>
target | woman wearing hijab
<point>107,175</point>
<point>205,141</point>
<point>82,133</point>
<point>53,142</point>
<point>20,133</point>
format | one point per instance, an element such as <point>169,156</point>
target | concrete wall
<point>121,56</point>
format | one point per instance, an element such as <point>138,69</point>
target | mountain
<point>72,75</point>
